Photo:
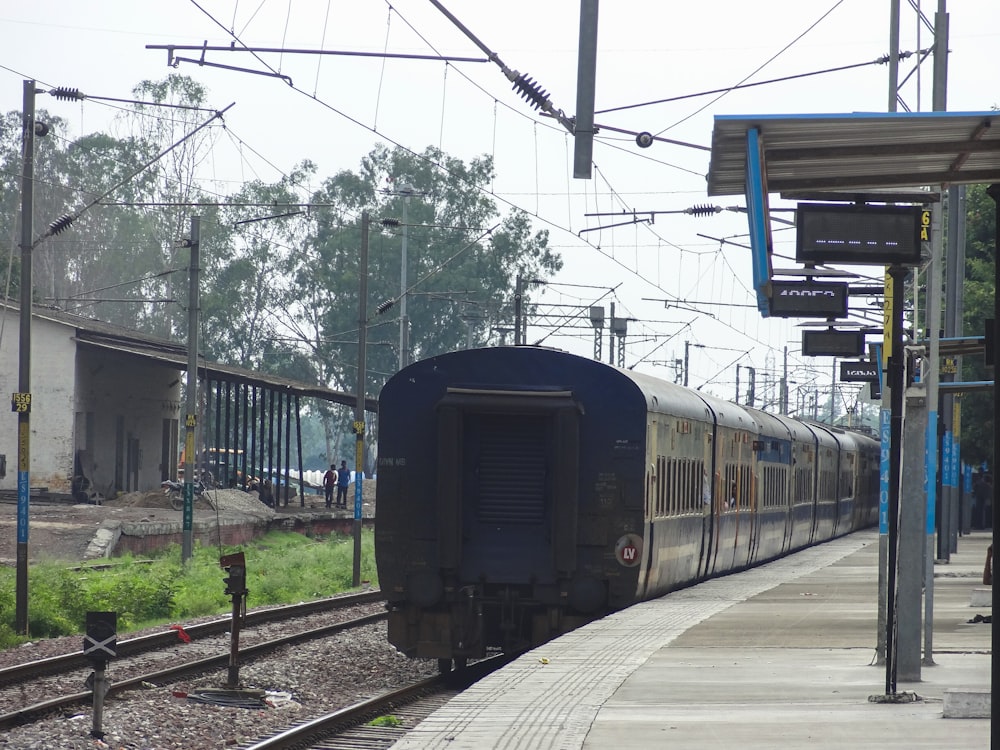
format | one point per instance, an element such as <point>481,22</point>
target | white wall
<point>67,385</point>
<point>51,420</point>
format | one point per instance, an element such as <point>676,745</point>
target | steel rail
<point>28,714</point>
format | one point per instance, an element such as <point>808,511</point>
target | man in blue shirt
<point>343,479</point>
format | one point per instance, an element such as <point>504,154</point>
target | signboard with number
<point>858,372</point>
<point>20,402</point>
<point>808,299</point>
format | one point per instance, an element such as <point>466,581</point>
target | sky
<point>684,281</point>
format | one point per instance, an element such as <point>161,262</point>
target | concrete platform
<point>779,656</point>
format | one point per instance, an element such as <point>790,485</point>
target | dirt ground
<point>64,532</point>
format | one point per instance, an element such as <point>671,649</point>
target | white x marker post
<point>99,645</point>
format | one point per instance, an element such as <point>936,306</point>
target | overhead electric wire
<point>422,157</point>
<point>758,69</point>
<point>877,61</point>
<point>64,221</point>
<point>558,328</point>
<point>497,196</point>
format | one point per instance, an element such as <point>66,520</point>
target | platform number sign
<point>100,642</point>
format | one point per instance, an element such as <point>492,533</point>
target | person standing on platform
<point>329,484</point>
<point>343,479</point>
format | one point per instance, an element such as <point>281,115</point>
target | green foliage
<point>282,568</point>
<point>978,294</point>
<point>385,721</point>
<point>280,281</point>
<point>462,260</point>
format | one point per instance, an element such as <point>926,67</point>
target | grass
<point>282,568</point>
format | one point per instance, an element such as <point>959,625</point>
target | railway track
<point>69,663</point>
<point>352,727</point>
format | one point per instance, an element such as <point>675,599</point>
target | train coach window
<point>775,486</point>
<point>668,485</point>
<point>701,489</point>
<point>728,488</point>
<point>684,504</point>
<point>803,485</point>
<point>746,486</point>
<point>774,494</point>
<point>675,485</point>
<point>662,486</point>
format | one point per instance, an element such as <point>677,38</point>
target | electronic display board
<point>808,299</point>
<point>858,372</point>
<point>857,234</point>
<point>832,343</point>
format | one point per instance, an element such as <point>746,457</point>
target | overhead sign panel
<point>808,299</point>
<point>858,234</point>
<point>833,343</point>
<point>858,372</point>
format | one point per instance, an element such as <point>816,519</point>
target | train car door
<point>653,497</point>
<point>511,514</point>
<point>506,499</point>
<point>711,504</point>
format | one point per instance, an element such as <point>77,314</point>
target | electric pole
<point>191,402</point>
<point>21,401</point>
<point>359,407</point>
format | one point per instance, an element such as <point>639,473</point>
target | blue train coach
<point>523,492</point>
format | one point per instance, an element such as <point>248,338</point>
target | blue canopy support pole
<point>760,224</point>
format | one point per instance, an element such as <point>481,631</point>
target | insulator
<point>531,91</point>
<point>383,306</point>
<point>61,224</point>
<point>390,222</point>
<point>703,210</point>
<point>67,94</point>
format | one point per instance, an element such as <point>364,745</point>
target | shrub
<point>282,568</point>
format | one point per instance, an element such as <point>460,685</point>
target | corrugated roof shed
<point>858,151</point>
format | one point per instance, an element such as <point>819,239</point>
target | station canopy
<point>899,157</point>
<point>803,154</point>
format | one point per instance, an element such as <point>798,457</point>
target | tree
<point>97,265</point>
<point>461,256</point>
<point>978,291</point>
<point>115,262</point>
<point>249,304</point>
<point>168,113</point>
<point>279,293</point>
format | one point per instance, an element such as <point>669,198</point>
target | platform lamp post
<point>687,358</point>
<point>406,191</point>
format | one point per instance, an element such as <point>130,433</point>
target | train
<point>525,491</point>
